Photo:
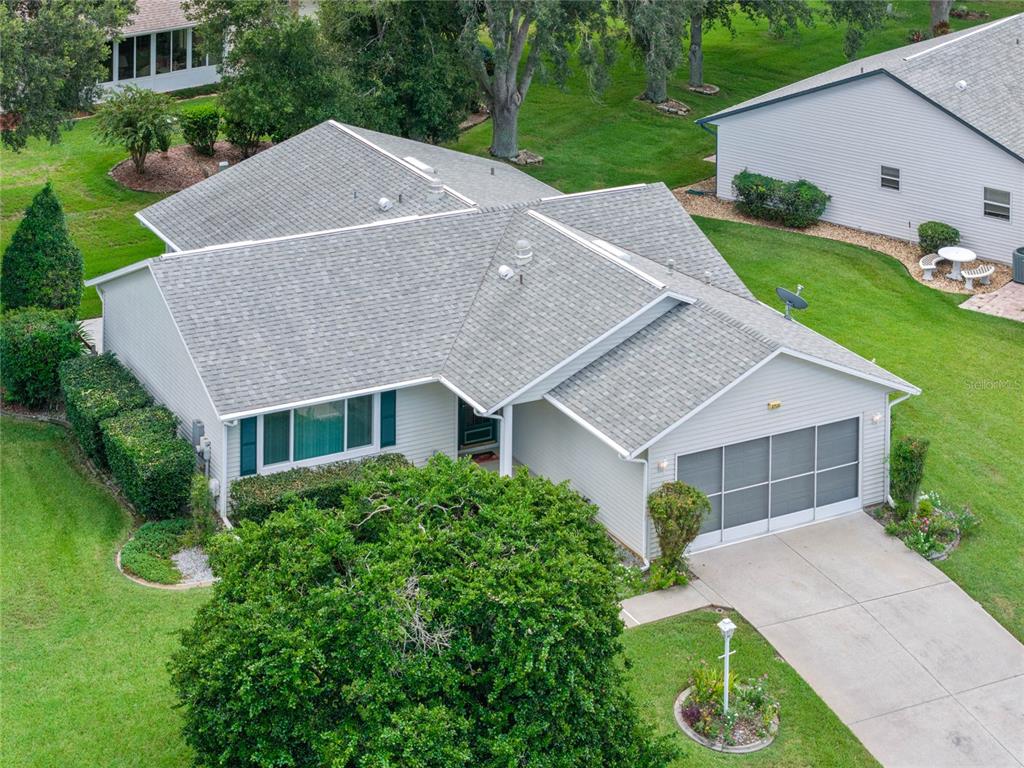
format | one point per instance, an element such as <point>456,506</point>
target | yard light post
<point>727,628</point>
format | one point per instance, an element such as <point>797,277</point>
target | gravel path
<point>194,566</point>
<point>906,252</point>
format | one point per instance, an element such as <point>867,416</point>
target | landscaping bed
<point>167,552</point>
<point>934,529</point>
<point>177,168</point>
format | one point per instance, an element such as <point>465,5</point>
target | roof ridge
<point>729,319</point>
<point>962,35</point>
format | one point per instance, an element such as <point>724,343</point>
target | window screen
<point>890,177</point>
<point>198,57</point>
<point>997,203</point>
<point>163,52</point>
<point>746,506</point>
<point>126,59</point>
<point>792,495</point>
<point>319,430</point>
<point>793,453</point>
<point>837,443</point>
<point>143,51</point>
<point>179,49</point>
<point>277,437</point>
<point>746,463</point>
<point>837,485</point>
<point>701,470</point>
<point>360,422</point>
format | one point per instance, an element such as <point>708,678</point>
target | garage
<point>776,481</point>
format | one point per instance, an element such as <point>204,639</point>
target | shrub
<point>678,510</point>
<point>200,125</point>
<point>33,342</point>
<point>934,235</point>
<point>257,497</point>
<point>97,388</point>
<point>906,470</point>
<point>153,466</point>
<point>148,553</point>
<point>137,119</point>
<point>792,203</point>
<point>41,266</point>
<point>243,133</point>
<point>440,616</point>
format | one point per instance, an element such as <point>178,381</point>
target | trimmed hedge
<point>792,203</point>
<point>33,342</point>
<point>150,462</point>
<point>200,126</point>
<point>97,388</point>
<point>257,497</point>
<point>933,235</point>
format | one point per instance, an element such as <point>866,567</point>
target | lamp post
<point>727,628</point>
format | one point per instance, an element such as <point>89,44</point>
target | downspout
<point>223,501</point>
<point>888,443</point>
<point>643,509</point>
<point>704,126</point>
<point>501,435</point>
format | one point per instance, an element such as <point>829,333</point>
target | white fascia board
<point>592,246</point>
<point>480,410</point>
<point>107,277</point>
<point>589,427</point>
<point>152,228</point>
<point>676,299</point>
<point>328,398</point>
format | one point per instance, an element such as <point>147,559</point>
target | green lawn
<point>970,367</point>
<point>664,653</point>
<point>84,649</point>
<point>592,141</point>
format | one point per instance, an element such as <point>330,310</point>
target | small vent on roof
<point>671,264</point>
<point>961,85</point>
<point>385,204</point>
<point>419,164</point>
<point>523,251</point>
<point>505,272</point>
<point>436,188</point>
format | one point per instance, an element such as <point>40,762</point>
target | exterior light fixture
<point>876,418</point>
<point>663,465</point>
<point>727,628</point>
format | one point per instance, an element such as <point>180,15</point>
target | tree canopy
<point>442,616</point>
<point>52,63</point>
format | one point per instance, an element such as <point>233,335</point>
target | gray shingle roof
<point>156,15</point>
<point>989,58</point>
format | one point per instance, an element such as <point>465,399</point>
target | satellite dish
<point>792,300</point>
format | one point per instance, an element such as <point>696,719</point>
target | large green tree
<point>526,38</point>
<point>656,29</point>
<point>54,52</point>
<point>857,20</point>
<point>138,119</point>
<point>41,266</point>
<point>441,617</point>
<point>405,62</point>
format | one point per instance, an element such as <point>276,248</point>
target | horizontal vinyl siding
<point>552,445</point>
<point>810,395</point>
<point>840,137</point>
<point>138,329</point>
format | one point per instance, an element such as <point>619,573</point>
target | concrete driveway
<point>917,669</point>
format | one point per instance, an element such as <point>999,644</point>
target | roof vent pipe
<point>505,272</point>
<point>523,252</point>
<point>385,204</point>
<point>436,188</point>
<point>961,85</point>
<point>671,264</point>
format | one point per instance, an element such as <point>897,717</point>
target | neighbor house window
<point>163,53</point>
<point>198,57</point>
<point>108,55</point>
<point>179,49</point>
<point>126,59</point>
<point>997,203</point>
<point>890,177</point>
<point>315,431</point>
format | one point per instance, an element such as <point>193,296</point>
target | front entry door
<point>475,430</point>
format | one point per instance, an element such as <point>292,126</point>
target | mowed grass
<point>85,650</point>
<point>970,367</point>
<point>590,141</point>
<point>100,212</point>
<point>662,656</point>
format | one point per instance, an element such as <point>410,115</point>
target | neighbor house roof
<point>155,16</point>
<point>989,59</point>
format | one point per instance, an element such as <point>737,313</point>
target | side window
<point>997,204</point>
<point>890,177</point>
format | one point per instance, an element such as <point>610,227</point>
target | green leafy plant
<point>138,119</point>
<point>933,235</point>
<point>96,388</point>
<point>752,708</point>
<point>33,343</point>
<point>792,203</point>
<point>148,553</point>
<point>200,502</point>
<point>153,466</point>
<point>906,470</point>
<point>200,126</point>
<point>438,616</point>
<point>41,266</point>
<point>244,132</point>
<point>678,511</point>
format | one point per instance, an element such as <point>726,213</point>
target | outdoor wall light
<point>876,418</point>
<point>662,465</point>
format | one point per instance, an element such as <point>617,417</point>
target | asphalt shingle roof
<point>990,58</point>
<point>156,15</point>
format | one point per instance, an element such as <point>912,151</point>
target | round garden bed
<point>744,731</point>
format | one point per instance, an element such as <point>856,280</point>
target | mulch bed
<point>177,168</point>
<point>480,116</point>
<point>706,203</point>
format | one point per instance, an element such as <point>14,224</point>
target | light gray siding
<point>810,394</point>
<point>839,138</point>
<point>552,445</point>
<point>138,329</point>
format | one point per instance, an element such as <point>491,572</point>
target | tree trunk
<point>940,12</point>
<point>505,127</point>
<point>657,89</point>
<point>696,50</point>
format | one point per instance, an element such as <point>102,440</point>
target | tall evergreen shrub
<point>33,342</point>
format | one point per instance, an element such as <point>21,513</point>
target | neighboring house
<point>347,293</point>
<point>930,132</point>
<point>159,51</point>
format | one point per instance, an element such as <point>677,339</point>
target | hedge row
<point>792,203</point>
<point>33,342</point>
<point>150,462</point>
<point>256,497</point>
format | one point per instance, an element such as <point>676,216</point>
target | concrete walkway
<point>917,669</point>
<point>654,606</point>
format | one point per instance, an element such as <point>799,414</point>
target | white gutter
<point>155,231</point>
<point>888,442</point>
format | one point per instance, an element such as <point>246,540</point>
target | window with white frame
<point>157,53</point>
<point>997,203</point>
<point>317,431</point>
<point>890,177</point>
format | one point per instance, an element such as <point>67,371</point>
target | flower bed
<point>934,529</point>
<point>750,724</point>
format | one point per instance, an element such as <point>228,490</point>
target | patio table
<point>957,256</point>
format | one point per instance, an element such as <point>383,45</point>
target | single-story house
<point>347,293</point>
<point>933,131</point>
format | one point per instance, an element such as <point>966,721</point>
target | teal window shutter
<point>388,423</point>
<point>247,437</point>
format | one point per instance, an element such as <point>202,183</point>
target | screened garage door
<point>777,481</point>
